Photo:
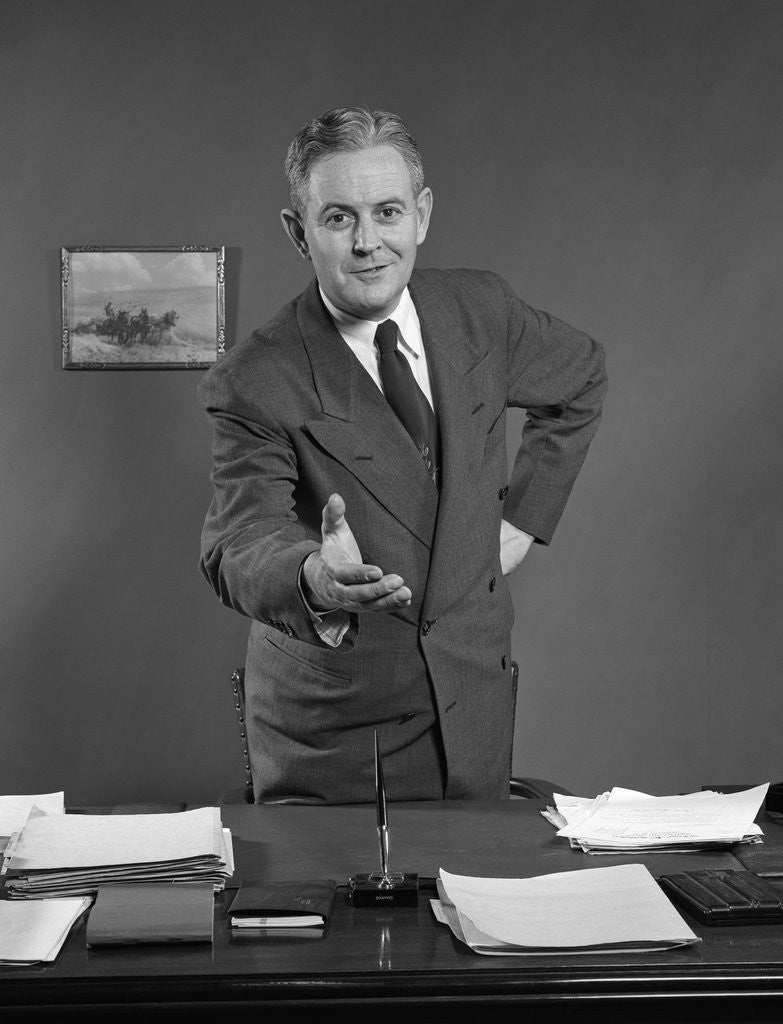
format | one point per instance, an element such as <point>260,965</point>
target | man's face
<point>361,229</point>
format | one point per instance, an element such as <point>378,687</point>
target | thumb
<point>333,514</point>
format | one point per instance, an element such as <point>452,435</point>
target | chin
<point>380,302</point>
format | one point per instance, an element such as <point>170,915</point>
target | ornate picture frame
<point>142,307</point>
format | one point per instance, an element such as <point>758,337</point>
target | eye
<point>338,220</point>
<point>389,214</point>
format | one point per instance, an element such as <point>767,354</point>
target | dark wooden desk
<point>381,965</point>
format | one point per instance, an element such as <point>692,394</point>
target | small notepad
<point>299,903</point>
<point>148,912</point>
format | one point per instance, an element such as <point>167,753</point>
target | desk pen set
<point>383,888</point>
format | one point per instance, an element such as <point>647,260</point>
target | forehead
<point>362,177</point>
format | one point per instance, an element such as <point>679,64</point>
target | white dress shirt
<point>359,335</point>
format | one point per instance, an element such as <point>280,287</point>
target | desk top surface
<point>401,953</point>
<point>501,838</point>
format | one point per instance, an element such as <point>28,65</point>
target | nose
<point>366,239</point>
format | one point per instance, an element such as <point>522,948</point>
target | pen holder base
<point>396,890</point>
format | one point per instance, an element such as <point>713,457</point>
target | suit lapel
<point>456,365</point>
<point>359,429</point>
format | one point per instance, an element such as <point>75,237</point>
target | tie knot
<point>386,336</point>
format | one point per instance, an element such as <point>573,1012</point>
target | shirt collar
<point>363,331</point>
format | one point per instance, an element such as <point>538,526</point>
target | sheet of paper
<point>575,809</point>
<point>626,819</point>
<point>34,931</point>
<point>88,840</point>
<point>620,907</point>
<point>14,810</point>
<point>228,852</point>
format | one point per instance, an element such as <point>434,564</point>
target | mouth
<point>369,273</point>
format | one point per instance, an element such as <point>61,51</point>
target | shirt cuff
<point>331,626</point>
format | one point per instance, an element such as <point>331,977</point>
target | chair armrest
<point>535,789</point>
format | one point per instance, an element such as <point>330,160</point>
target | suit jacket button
<point>492,584</point>
<point>428,626</point>
<point>503,662</point>
<point>502,493</point>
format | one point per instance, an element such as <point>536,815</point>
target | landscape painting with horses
<point>133,307</point>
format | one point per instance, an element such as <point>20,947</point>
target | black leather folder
<point>147,912</point>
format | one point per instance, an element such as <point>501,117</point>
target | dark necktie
<point>407,399</point>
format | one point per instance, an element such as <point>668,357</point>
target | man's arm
<point>259,555</point>
<point>252,542</point>
<point>557,374</point>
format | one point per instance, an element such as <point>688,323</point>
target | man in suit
<point>370,554</point>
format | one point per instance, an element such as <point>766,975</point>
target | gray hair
<point>347,129</point>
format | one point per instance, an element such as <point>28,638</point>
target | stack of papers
<point>65,855</point>
<point>34,932</point>
<point>604,910</point>
<point>14,811</point>
<point>625,821</point>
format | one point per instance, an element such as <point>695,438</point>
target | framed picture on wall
<point>142,307</point>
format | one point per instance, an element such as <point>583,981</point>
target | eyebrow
<point>391,201</point>
<point>337,205</point>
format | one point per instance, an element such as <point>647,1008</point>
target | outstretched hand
<point>336,577</point>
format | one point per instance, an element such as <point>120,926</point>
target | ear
<point>294,228</point>
<point>423,211</point>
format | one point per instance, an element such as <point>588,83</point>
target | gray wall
<point>619,161</point>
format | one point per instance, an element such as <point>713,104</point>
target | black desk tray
<point>719,897</point>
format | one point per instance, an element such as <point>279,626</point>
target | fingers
<point>390,602</point>
<point>351,573</point>
<point>400,598</point>
<point>384,594</point>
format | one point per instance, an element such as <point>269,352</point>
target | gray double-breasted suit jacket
<point>295,418</point>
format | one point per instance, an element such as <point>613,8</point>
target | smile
<point>370,272</point>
